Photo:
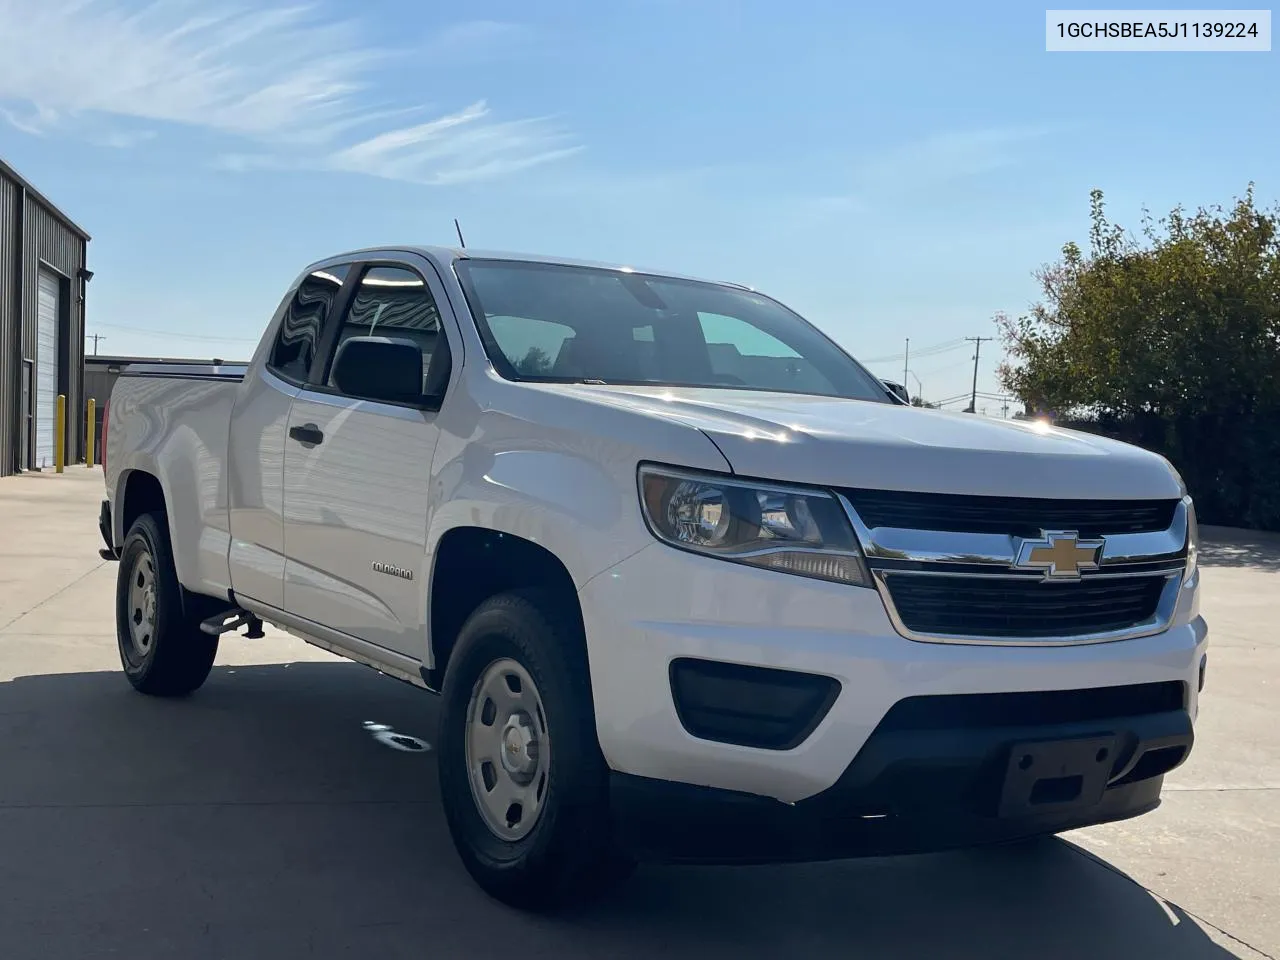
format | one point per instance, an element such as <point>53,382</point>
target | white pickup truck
<point>691,584</point>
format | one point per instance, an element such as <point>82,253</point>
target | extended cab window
<point>393,302</point>
<point>304,319</point>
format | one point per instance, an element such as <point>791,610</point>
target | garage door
<point>46,367</point>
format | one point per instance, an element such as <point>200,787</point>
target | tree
<point>1171,341</point>
<point>534,363</point>
<point>918,402</point>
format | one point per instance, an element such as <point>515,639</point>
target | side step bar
<point>218,624</point>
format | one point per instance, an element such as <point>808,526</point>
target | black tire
<point>173,657</point>
<point>568,857</point>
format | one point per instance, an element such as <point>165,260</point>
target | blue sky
<point>890,172</point>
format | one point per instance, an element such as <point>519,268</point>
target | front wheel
<point>162,648</point>
<point>522,779</point>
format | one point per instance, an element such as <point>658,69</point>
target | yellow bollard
<point>60,434</point>
<point>91,425</point>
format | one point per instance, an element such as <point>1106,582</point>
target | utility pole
<point>906,355</point>
<point>977,349</point>
<point>96,337</point>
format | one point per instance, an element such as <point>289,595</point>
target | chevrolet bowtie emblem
<point>1060,554</point>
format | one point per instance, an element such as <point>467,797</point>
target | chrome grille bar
<point>951,558</point>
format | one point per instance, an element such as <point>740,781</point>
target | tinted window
<point>559,323</point>
<point>299,335</point>
<point>742,354</point>
<point>533,345</point>
<point>393,302</point>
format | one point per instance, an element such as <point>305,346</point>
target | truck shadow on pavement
<point>260,818</point>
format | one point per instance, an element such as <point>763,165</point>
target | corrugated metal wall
<point>52,245</point>
<point>10,329</point>
<point>98,381</point>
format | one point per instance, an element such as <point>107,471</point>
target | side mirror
<point>898,390</point>
<point>386,369</point>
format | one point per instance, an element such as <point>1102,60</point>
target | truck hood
<point>853,443</point>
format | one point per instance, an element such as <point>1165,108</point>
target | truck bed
<point>171,421</point>
<point>186,371</point>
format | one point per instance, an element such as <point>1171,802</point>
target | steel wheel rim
<point>508,750</point>
<point>142,604</point>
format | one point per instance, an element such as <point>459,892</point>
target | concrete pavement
<point>259,818</point>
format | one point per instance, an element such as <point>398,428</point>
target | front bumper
<point>104,529</point>
<point>662,606</point>
<point>919,786</point>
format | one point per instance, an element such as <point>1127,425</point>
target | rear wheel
<point>522,779</point>
<point>162,648</point>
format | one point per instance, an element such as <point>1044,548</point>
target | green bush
<point>1171,341</point>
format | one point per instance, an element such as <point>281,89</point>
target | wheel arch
<point>472,564</point>
<point>139,491</point>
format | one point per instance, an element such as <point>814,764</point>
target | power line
<point>943,369</point>
<point>939,348</point>
<point>177,336</point>
<point>934,350</point>
<point>95,337</point>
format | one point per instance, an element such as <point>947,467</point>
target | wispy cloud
<point>284,79</point>
<point>456,148</point>
<point>123,139</point>
<point>480,40</point>
<point>949,155</point>
<point>459,147</point>
<point>886,173</point>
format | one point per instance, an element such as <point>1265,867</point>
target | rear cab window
<point>298,338</point>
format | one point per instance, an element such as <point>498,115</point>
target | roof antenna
<point>459,229</point>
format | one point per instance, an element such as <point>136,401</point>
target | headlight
<point>1193,539</point>
<point>792,529</point>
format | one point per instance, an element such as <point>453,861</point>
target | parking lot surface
<point>263,818</point>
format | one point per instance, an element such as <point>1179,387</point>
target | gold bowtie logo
<point>1060,554</point>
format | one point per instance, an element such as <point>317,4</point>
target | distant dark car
<point>898,390</point>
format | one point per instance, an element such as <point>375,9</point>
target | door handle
<point>308,434</point>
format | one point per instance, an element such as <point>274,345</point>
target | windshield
<point>570,324</point>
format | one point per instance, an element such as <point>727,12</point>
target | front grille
<point>1022,606</point>
<point>972,711</point>
<point>1011,516</point>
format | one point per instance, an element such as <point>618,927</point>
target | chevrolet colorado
<point>691,584</point>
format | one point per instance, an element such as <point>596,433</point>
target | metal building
<point>42,286</point>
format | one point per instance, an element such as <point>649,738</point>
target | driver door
<point>356,475</point>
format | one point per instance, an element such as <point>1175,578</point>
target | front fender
<point>556,472</point>
<point>561,501</point>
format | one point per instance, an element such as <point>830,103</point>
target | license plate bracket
<point>1056,776</point>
